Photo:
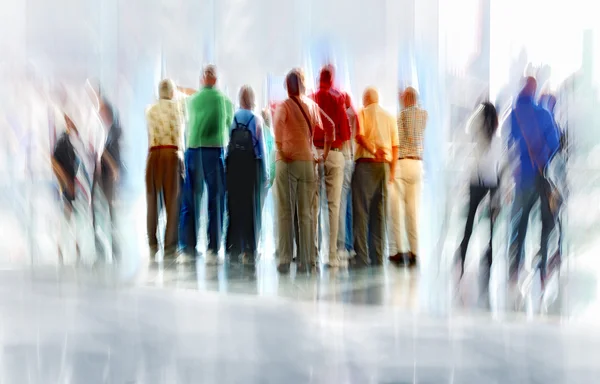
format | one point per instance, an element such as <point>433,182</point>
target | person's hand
<point>392,178</point>
<point>319,159</point>
<point>182,167</point>
<point>380,154</point>
<point>115,175</point>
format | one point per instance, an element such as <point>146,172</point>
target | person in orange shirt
<point>295,122</point>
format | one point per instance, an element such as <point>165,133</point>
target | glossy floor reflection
<point>72,326</point>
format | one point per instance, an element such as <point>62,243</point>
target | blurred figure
<point>533,142</point>
<point>270,161</point>
<point>331,172</point>
<point>376,156</point>
<point>65,164</point>
<point>271,152</point>
<point>246,179</point>
<point>110,164</point>
<point>485,176</point>
<point>345,240</point>
<point>556,173</point>
<point>295,122</point>
<point>165,121</point>
<point>78,114</point>
<point>210,117</point>
<point>406,188</point>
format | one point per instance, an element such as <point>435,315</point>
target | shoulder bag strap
<point>305,117</point>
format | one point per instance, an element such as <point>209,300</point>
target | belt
<point>157,147</point>
<point>370,160</point>
<point>411,158</point>
<point>331,149</point>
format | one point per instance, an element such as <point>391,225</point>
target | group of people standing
<point>346,183</point>
<point>333,170</point>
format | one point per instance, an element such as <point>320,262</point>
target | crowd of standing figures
<point>340,176</point>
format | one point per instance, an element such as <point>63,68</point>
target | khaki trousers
<point>405,193</point>
<point>295,184</point>
<point>331,178</point>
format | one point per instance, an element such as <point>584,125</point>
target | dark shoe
<point>283,268</point>
<point>412,260</point>
<point>398,258</point>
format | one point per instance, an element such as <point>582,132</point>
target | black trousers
<point>476,195</point>
<point>525,199</point>
<point>245,198</point>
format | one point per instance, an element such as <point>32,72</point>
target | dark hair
<point>490,120</point>
<point>326,75</point>
<point>294,83</point>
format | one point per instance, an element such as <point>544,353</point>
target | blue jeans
<point>345,238</point>
<point>526,195</point>
<point>202,166</point>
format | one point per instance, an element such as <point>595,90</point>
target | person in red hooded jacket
<point>331,172</point>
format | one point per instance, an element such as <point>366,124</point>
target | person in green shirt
<point>210,114</point>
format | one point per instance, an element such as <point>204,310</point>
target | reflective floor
<point>87,326</point>
<point>152,322</point>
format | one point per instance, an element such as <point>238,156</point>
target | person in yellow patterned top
<point>166,122</point>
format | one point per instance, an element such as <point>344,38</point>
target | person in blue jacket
<point>533,141</point>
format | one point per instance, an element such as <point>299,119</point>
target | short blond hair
<point>247,98</point>
<point>166,89</point>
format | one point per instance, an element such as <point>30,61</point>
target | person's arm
<point>345,129</point>
<point>395,148</point>
<point>360,137</point>
<point>328,125</point>
<point>187,91</point>
<point>279,121</point>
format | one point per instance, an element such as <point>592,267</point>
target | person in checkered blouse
<point>405,190</point>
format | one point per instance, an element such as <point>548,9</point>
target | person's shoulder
<point>152,108</point>
<point>308,101</point>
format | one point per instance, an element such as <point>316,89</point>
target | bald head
<point>209,75</point>
<point>370,96</point>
